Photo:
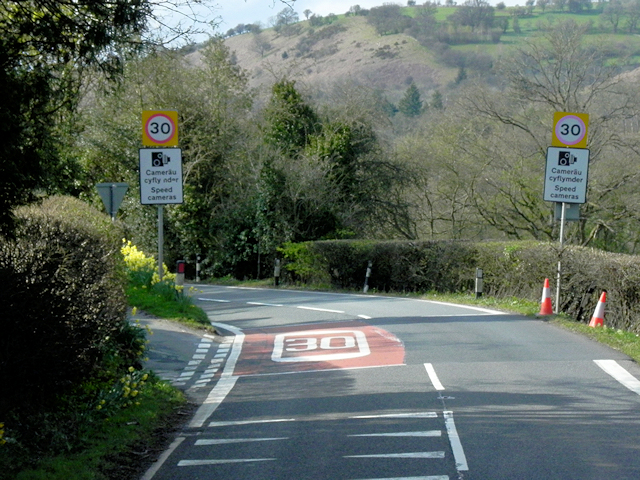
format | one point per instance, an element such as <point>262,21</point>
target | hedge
<point>511,269</point>
<point>63,302</point>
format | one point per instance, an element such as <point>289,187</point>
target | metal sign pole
<point>562,220</point>
<point>160,240</point>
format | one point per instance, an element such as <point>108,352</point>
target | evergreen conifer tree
<point>411,104</point>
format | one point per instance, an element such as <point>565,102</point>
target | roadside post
<point>160,167</point>
<point>276,272</point>
<point>566,173</point>
<point>365,289</point>
<point>180,268</point>
<point>198,267</point>
<point>479,282</point>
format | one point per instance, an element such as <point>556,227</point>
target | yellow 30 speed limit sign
<point>570,130</point>
<point>159,128</point>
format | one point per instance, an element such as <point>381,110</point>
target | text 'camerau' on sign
<point>566,175</point>
<point>160,176</point>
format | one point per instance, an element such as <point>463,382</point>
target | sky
<point>234,12</point>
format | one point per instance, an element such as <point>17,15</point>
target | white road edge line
<point>618,372</point>
<point>433,376</point>
<point>163,458</point>
<point>227,381</point>
<point>454,439</point>
<point>260,304</point>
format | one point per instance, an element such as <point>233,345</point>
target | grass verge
<point>119,446</point>
<point>625,342</point>
<point>168,304</point>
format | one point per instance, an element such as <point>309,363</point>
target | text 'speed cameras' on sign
<point>159,159</point>
<point>566,159</point>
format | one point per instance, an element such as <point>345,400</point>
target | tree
<point>436,101</point>
<point>560,4</point>
<point>516,25</point>
<point>576,6</point>
<point>307,13</point>
<point>47,50</point>
<point>461,76</point>
<point>388,19</point>
<point>260,43</point>
<point>42,52</point>
<point>632,10</point>
<point>410,104</point>
<point>474,14</point>
<point>558,72</point>
<point>503,24</point>
<point>542,4</point>
<point>290,121</point>
<point>613,13</point>
<point>284,21</point>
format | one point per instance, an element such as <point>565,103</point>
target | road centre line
<point>614,369</point>
<point>319,309</point>
<point>260,304</point>
<point>333,294</point>
<point>401,415</point>
<point>427,433</point>
<point>428,477</point>
<point>400,455</point>
<point>433,376</point>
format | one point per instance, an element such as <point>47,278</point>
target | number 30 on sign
<point>159,128</point>
<point>570,130</point>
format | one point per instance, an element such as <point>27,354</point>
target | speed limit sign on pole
<point>570,130</point>
<point>159,128</point>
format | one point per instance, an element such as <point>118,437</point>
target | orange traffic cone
<point>598,316</point>
<point>546,308</point>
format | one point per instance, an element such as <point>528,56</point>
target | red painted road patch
<point>326,346</point>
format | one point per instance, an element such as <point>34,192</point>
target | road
<point>307,385</point>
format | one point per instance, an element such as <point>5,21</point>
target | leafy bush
<point>63,299</point>
<point>69,358</point>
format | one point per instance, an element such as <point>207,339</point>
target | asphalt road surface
<point>307,385</point>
